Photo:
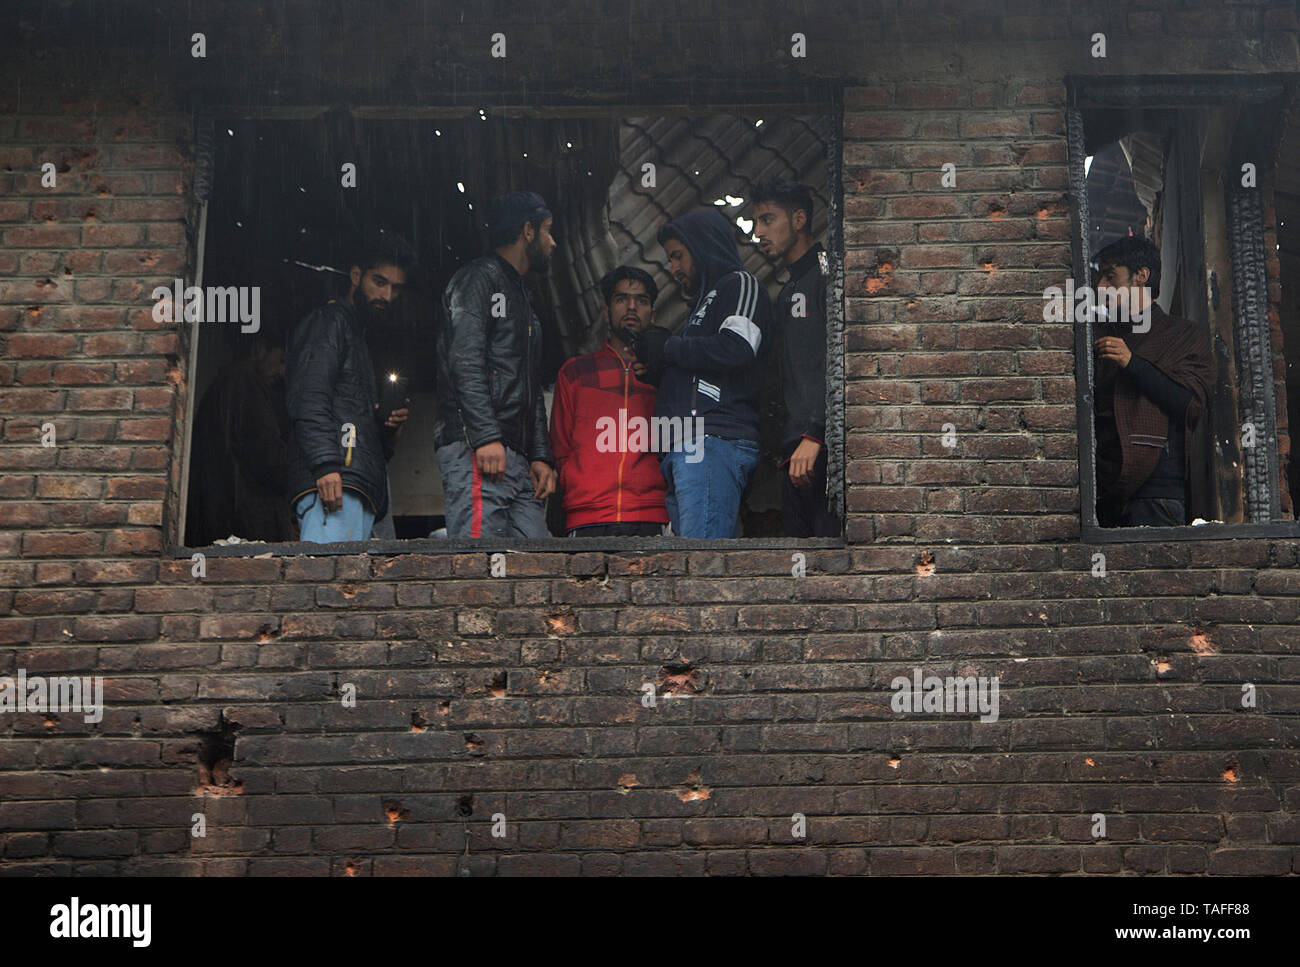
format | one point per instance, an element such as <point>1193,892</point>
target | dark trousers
<point>628,528</point>
<point>1154,512</point>
<point>803,511</point>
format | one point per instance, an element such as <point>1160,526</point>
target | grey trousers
<point>477,507</point>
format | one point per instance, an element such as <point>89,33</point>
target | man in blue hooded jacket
<point>709,376</point>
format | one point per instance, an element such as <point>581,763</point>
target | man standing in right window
<point>1153,380</point>
<point>783,223</point>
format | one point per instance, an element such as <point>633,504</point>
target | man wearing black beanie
<point>492,443</point>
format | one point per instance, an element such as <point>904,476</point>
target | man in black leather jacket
<point>492,443</point>
<point>338,449</point>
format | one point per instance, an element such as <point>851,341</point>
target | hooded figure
<point>711,369</point>
<point>711,375</point>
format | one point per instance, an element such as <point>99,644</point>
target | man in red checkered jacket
<point>608,471</point>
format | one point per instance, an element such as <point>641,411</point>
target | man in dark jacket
<point>492,443</point>
<point>709,376</point>
<point>1153,385</point>
<point>783,224</point>
<point>338,449</point>
<point>237,467</point>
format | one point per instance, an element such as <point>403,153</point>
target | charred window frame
<point>824,102</point>
<point>1236,120</point>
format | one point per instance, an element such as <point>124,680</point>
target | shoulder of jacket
<point>332,313</point>
<point>478,269</point>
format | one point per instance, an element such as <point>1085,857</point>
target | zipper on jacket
<point>618,507</point>
<point>526,411</point>
<point>464,429</point>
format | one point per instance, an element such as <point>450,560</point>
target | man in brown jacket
<point>1152,388</point>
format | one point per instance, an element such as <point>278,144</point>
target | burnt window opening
<point>280,217</point>
<point>1204,169</point>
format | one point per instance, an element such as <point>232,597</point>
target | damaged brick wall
<point>672,712</point>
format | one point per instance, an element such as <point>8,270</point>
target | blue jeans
<point>704,497</point>
<point>352,523</point>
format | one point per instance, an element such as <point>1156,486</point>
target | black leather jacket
<point>329,382</point>
<point>489,362</point>
<point>803,369</point>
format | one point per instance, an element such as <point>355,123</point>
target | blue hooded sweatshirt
<point>714,364</point>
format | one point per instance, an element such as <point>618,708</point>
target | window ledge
<point>1092,534</point>
<point>547,545</point>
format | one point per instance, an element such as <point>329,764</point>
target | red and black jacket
<point>604,485</point>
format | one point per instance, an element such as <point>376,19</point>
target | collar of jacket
<point>512,273</point>
<point>608,346</point>
<point>805,262</point>
<point>350,309</point>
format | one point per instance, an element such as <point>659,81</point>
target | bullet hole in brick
<point>895,762</point>
<point>395,813</point>
<point>465,806</point>
<point>348,590</point>
<point>926,566</point>
<point>997,212</point>
<point>216,753</point>
<point>1201,643</point>
<point>418,722</point>
<point>1162,666</point>
<point>679,679</point>
<point>693,789</point>
<point>498,687</point>
<point>47,284</point>
<point>350,868</point>
<point>561,623</point>
<point>444,707</point>
<point>626,782</point>
<point>51,721</point>
<point>1230,773</point>
<point>883,274</point>
<point>1089,761</point>
<point>265,634</point>
<point>473,744</point>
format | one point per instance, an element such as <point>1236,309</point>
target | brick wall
<point>522,695</point>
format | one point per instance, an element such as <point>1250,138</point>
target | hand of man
<point>330,488</point>
<point>543,479</point>
<point>801,463</point>
<point>397,417</point>
<point>491,460</point>
<point>1114,349</point>
<point>649,350</point>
